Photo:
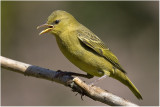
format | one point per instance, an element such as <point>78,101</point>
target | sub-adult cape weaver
<point>84,49</point>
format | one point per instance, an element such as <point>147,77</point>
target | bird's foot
<point>62,73</point>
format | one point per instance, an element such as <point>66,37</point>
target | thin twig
<point>76,84</point>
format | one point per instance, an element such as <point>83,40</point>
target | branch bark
<point>76,84</point>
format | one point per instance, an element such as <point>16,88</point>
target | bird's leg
<point>101,78</point>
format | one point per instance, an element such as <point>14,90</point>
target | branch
<point>61,77</point>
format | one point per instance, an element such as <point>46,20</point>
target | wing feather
<point>92,41</point>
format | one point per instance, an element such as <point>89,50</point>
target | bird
<point>84,49</point>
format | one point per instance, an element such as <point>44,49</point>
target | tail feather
<point>125,80</point>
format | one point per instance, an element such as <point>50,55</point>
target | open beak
<point>48,29</point>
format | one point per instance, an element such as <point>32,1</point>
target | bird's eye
<point>57,21</point>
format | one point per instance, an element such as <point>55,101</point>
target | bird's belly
<point>84,59</point>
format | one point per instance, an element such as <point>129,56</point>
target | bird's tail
<point>125,80</point>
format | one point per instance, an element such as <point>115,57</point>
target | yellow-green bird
<point>84,49</point>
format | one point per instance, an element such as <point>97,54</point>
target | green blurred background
<point>129,29</point>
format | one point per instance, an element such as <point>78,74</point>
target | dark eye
<point>57,21</point>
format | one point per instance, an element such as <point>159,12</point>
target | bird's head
<point>58,22</point>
